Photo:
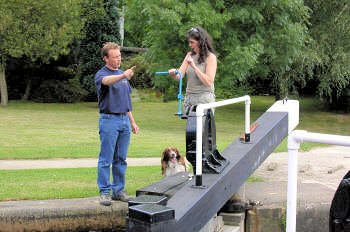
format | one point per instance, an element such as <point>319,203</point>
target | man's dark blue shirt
<point>113,98</point>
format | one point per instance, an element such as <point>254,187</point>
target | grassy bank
<point>42,184</point>
<point>42,131</point>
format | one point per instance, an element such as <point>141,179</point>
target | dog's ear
<point>164,167</point>
<point>165,154</point>
<point>164,160</point>
<point>183,162</point>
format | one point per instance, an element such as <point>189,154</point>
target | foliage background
<point>37,31</point>
<point>280,48</point>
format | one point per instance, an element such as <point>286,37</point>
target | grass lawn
<point>43,131</point>
<point>42,184</point>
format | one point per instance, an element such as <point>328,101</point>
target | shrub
<point>51,91</point>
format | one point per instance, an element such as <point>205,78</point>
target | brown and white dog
<point>172,162</point>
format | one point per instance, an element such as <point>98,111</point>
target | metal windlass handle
<point>179,95</point>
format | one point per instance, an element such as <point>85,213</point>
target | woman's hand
<point>190,60</point>
<point>172,72</point>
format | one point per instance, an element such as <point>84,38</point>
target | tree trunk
<point>281,85</point>
<point>25,97</point>
<point>3,86</point>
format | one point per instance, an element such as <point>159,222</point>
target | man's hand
<point>129,72</point>
<point>135,128</point>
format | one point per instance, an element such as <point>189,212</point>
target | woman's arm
<point>208,77</point>
<point>182,68</point>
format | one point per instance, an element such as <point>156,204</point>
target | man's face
<point>113,59</point>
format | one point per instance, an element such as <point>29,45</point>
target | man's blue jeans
<point>115,138</point>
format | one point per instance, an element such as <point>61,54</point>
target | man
<point>116,119</point>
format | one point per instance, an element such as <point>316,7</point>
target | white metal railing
<point>200,113</point>
<point>294,139</point>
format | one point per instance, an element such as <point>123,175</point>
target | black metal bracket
<point>212,160</point>
<point>339,216</point>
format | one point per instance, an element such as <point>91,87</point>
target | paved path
<point>69,163</point>
<point>326,165</point>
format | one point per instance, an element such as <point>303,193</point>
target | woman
<point>199,66</point>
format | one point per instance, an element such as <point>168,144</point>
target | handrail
<point>200,113</point>
<point>294,139</point>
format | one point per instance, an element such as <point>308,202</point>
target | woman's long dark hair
<point>205,42</point>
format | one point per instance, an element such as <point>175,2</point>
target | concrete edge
<point>82,214</point>
<point>86,214</point>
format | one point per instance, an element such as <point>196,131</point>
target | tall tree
<point>254,39</point>
<point>331,32</point>
<point>37,29</point>
<point>102,25</point>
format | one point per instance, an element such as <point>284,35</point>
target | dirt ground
<point>326,166</point>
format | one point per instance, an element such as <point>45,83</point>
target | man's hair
<point>108,46</point>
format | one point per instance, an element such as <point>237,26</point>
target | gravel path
<point>326,166</point>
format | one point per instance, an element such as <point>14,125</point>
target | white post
<point>121,26</point>
<point>247,121</point>
<point>292,190</point>
<point>294,139</point>
<point>199,115</point>
<point>292,187</point>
